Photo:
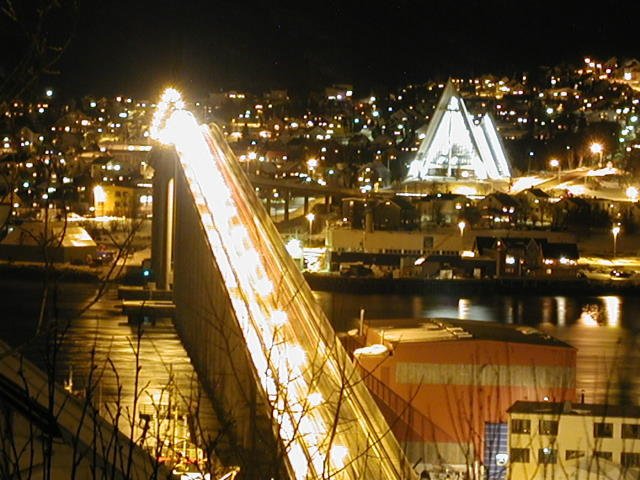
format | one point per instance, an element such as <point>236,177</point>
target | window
<point>548,427</point>
<point>519,455</point>
<point>630,430</point>
<point>571,454</point>
<point>520,426</point>
<point>603,430</point>
<point>547,455</point>
<point>630,459</point>
<point>603,455</point>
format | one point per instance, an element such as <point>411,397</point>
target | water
<point>608,356</point>
<point>102,338</point>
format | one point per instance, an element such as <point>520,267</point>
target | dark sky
<point>139,45</point>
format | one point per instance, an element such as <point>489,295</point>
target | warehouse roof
<point>446,329</point>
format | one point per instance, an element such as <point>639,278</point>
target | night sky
<point>138,46</point>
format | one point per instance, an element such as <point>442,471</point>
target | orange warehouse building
<point>445,386</point>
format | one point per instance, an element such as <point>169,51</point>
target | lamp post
<point>597,149</point>
<point>461,225</point>
<point>615,231</point>
<point>555,163</point>
<point>311,217</point>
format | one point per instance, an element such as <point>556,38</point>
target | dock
<point>148,310</point>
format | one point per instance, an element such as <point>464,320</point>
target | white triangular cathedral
<point>455,148</point>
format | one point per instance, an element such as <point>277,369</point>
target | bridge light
<point>264,287</point>
<point>315,399</point>
<point>278,317</point>
<point>338,455</point>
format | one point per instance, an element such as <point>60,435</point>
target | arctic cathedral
<point>456,148</point>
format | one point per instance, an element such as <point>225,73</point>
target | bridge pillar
<point>163,225</point>
<point>209,330</point>
<point>306,204</point>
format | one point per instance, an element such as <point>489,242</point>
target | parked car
<point>617,273</point>
<point>355,270</point>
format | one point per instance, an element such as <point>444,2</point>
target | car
<point>617,273</point>
<point>355,270</point>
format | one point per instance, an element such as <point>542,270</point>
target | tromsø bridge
<point>263,348</point>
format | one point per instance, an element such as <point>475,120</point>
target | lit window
<point>547,455</point>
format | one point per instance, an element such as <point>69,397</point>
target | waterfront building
<point>573,440</point>
<point>456,147</point>
<point>55,241</point>
<point>521,251</point>
<point>529,256</point>
<point>446,385</point>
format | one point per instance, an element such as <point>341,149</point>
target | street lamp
<point>311,217</point>
<point>596,148</point>
<point>461,225</point>
<point>555,163</point>
<point>615,231</point>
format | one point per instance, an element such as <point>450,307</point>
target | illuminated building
<point>62,242</point>
<point>446,385</point>
<point>573,440</point>
<point>456,148</point>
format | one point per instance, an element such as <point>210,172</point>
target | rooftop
<point>581,409</point>
<point>446,329</point>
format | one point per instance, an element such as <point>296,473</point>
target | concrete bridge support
<point>205,322</point>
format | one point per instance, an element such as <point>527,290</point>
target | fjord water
<point>608,357</point>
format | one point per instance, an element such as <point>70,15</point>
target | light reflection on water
<point>608,356</point>
<point>612,307</point>
<point>561,311</point>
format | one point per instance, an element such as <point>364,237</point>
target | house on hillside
<point>535,207</point>
<point>499,210</point>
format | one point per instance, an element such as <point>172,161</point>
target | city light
<point>615,230</point>
<point>310,217</point>
<point>461,226</point>
<point>597,149</point>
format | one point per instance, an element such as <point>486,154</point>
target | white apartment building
<point>550,440</point>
